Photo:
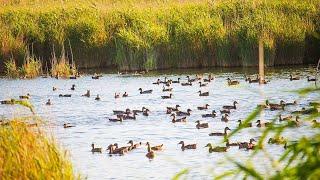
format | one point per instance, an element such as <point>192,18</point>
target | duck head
<point>209,145</point>
<point>252,140</point>
<point>189,110</point>
<point>198,122</point>
<point>227,128</point>
<point>140,89</point>
<point>172,115</point>
<point>181,142</point>
<point>258,121</point>
<point>177,106</point>
<point>130,142</point>
<point>282,102</point>
<point>235,102</point>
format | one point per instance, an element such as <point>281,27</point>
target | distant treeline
<point>132,35</point>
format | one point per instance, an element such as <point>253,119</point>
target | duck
<point>155,148</point>
<point>284,118</point>
<point>72,77</point>
<point>145,92</point>
<point>275,106</point>
<point>96,76</point>
<point>251,145</point>
<point>174,120</point>
<point>166,89</point>
<point>48,103</point>
<point>146,112</point>
<point>225,111</point>
<point>112,150</point>
<point>219,133</point>
<point>150,154</point>
<point>188,146</point>
<point>277,140</point>
<point>186,84</point>
<point>64,95</point>
<point>134,146</point>
<point>202,84</point>
<point>232,82</point>
<point>138,111</point>
<point>11,101</point>
<point>213,114</point>
<point>116,95</point>
<point>67,125</point>
<point>174,108</point>
<point>231,107</point>
<point>260,124</point>
<point>54,88</point>
<point>191,80</point>
<point>216,149</point>
<point>87,94</point>
<point>245,145</point>
<point>201,125</point>
<point>225,118</point>
<point>315,124</point>
<point>253,80</point>
<point>25,96</point>
<point>127,116</point>
<point>157,82</point>
<point>177,81</point>
<point>94,149</point>
<point>289,103</point>
<point>124,148</point>
<point>210,78</point>
<point>311,79</point>
<point>118,119</point>
<point>125,94</point>
<point>119,112</point>
<point>181,113</point>
<point>228,144</point>
<point>203,93</point>
<point>244,125</point>
<point>203,107</point>
<point>169,111</point>
<point>167,97</point>
<point>97,98</point>
<point>168,84</point>
<point>73,87</point>
<point>294,78</point>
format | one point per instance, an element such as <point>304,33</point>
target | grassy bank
<point>26,153</point>
<point>164,33</point>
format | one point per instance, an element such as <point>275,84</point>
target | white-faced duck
<point>97,98</point>
<point>125,94</point>
<point>67,125</point>
<point>244,125</point>
<point>48,103</point>
<point>188,146</point>
<point>145,92</point>
<point>216,149</point>
<point>64,95</point>
<point>311,79</point>
<point>166,89</point>
<point>232,82</point>
<point>202,84</point>
<point>181,113</point>
<point>228,144</point>
<point>177,81</point>
<point>116,95</point>
<point>94,149</point>
<point>155,148</point>
<point>167,97</point>
<point>203,93</point>
<point>150,153</point>
<point>186,84</point>
<point>225,118</point>
<point>174,120</point>
<point>25,96</point>
<point>260,124</point>
<point>219,133</point>
<point>201,125</point>
<point>73,87</point>
<point>87,94</point>
<point>212,115</point>
<point>294,78</point>
<point>231,107</point>
<point>203,107</point>
<point>174,108</point>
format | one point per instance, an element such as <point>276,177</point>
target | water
<point>90,118</point>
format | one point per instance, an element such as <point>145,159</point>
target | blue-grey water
<point>91,123</point>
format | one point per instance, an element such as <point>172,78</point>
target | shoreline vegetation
<point>149,35</point>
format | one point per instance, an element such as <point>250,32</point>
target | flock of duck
<point>178,116</point>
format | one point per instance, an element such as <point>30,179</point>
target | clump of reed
<point>60,67</point>
<point>31,68</point>
<point>12,70</point>
<point>27,153</point>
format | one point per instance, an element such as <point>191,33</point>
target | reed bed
<point>167,33</point>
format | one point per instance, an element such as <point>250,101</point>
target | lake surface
<point>92,125</point>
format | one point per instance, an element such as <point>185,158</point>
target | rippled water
<point>90,118</point>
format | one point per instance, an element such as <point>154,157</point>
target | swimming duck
<point>244,125</point>
<point>232,82</point>
<point>119,112</point>
<point>157,82</point>
<point>219,133</point>
<point>293,78</point>
<point>64,95</point>
<point>116,95</point>
<point>67,125</point>
<point>311,79</point>
<point>203,107</point>
<point>202,84</point>
<point>277,140</point>
<point>127,116</point>
<point>166,89</point>
<point>225,111</point>
<point>93,150</point>
<point>25,96</point>
<point>188,146</point>
<point>97,98</point>
<point>186,84</point>
<point>228,144</point>
<point>201,125</point>
<point>48,103</point>
<point>138,111</point>
<point>284,118</point>
<point>213,114</point>
<point>191,80</point>
<point>178,81</point>
<point>87,94</point>
<point>203,94</point>
<point>315,124</point>
<point>72,77</point>
<point>73,87</point>
<point>145,92</point>
<point>225,118</point>
<point>155,148</point>
<point>181,113</point>
<point>134,146</point>
<point>253,80</point>
<point>125,94</point>
<point>174,120</point>
<point>266,124</point>
<point>150,153</point>
<point>112,150</point>
<point>124,148</point>
<point>54,88</point>
<point>246,144</point>
<point>118,119</point>
<point>146,112</point>
<point>12,101</point>
<point>231,107</point>
<point>275,106</point>
<point>167,97</point>
<point>216,149</point>
<point>169,111</point>
<point>174,108</point>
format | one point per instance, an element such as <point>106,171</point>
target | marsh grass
<point>12,70</point>
<point>31,68</point>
